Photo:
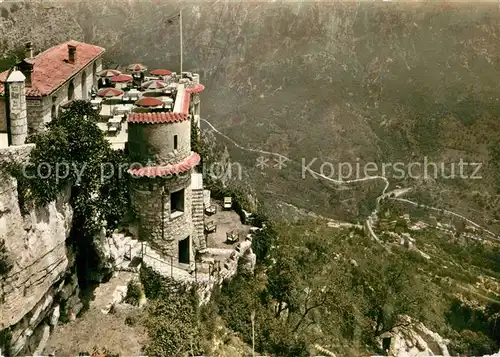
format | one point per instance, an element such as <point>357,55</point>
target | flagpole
<point>180,25</point>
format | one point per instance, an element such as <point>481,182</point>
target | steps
<point>162,265</point>
<point>113,292</point>
<point>197,213</point>
<point>126,252</point>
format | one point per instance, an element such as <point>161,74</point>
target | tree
<point>392,289</point>
<point>262,243</point>
<point>73,152</point>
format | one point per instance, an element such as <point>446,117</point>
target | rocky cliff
<point>41,285</point>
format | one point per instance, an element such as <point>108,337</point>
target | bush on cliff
<point>74,152</point>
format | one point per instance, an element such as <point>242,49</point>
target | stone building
<point>61,73</point>
<point>166,192</point>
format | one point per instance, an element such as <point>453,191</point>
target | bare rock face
<point>39,279</point>
<point>416,340</point>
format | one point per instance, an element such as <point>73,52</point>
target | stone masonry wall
<point>146,195</point>
<point>35,115</point>
<point>40,283</point>
<point>155,142</point>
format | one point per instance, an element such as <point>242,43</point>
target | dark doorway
<point>184,251</point>
<point>386,345</point>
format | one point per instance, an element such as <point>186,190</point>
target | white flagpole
<point>180,25</point>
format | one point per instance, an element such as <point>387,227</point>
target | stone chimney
<point>26,67</point>
<point>29,50</point>
<point>71,53</point>
<point>18,124</point>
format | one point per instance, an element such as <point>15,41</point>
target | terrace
<point>120,94</point>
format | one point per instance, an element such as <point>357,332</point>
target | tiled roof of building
<point>162,171</point>
<point>51,68</point>
<point>156,117</point>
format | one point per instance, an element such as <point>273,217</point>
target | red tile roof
<point>157,117</point>
<point>51,68</point>
<point>161,171</point>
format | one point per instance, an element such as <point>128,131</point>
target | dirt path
<point>94,328</point>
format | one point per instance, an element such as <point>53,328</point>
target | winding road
<point>394,193</point>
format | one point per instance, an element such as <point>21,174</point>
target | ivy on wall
<point>73,152</point>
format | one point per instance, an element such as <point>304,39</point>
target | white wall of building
<point>61,95</point>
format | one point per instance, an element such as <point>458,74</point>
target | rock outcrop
<point>41,285</point>
<point>413,339</point>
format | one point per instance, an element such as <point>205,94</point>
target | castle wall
<point>155,142</point>
<point>151,203</point>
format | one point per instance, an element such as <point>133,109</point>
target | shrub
<point>74,152</point>
<point>262,243</point>
<point>5,261</point>
<point>133,293</point>
<point>130,321</point>
<point>172,316</point>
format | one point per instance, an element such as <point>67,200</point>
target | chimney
<point>26,67</point>
<point>71,53</point>
<point>29,50</point>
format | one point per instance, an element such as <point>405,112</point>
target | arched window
<point>71,91</point>
<point>53,112</point>
<point>94,74</point>
<point>84,85</point>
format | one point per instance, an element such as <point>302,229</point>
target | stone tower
<point>17,108</point>
<point>159,143</point>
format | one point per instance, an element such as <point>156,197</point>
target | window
<point>175,142</point>
<point>84,85</point>
<point>71,91</point>
<point>53,112</point>
<point>94,74</point>
<point>177,202</point>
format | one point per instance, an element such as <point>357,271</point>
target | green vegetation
<point>5,261</point>
<point>73,156</point>
<point>10,57</point>
<point>74,153</point>
<point>319,285</point>
<point>133,293</point>
<point>172,317</point>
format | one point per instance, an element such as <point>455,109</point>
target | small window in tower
<point>177,202</point>
<point>175,142</point>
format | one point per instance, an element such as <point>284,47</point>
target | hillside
<point>382,82</point>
